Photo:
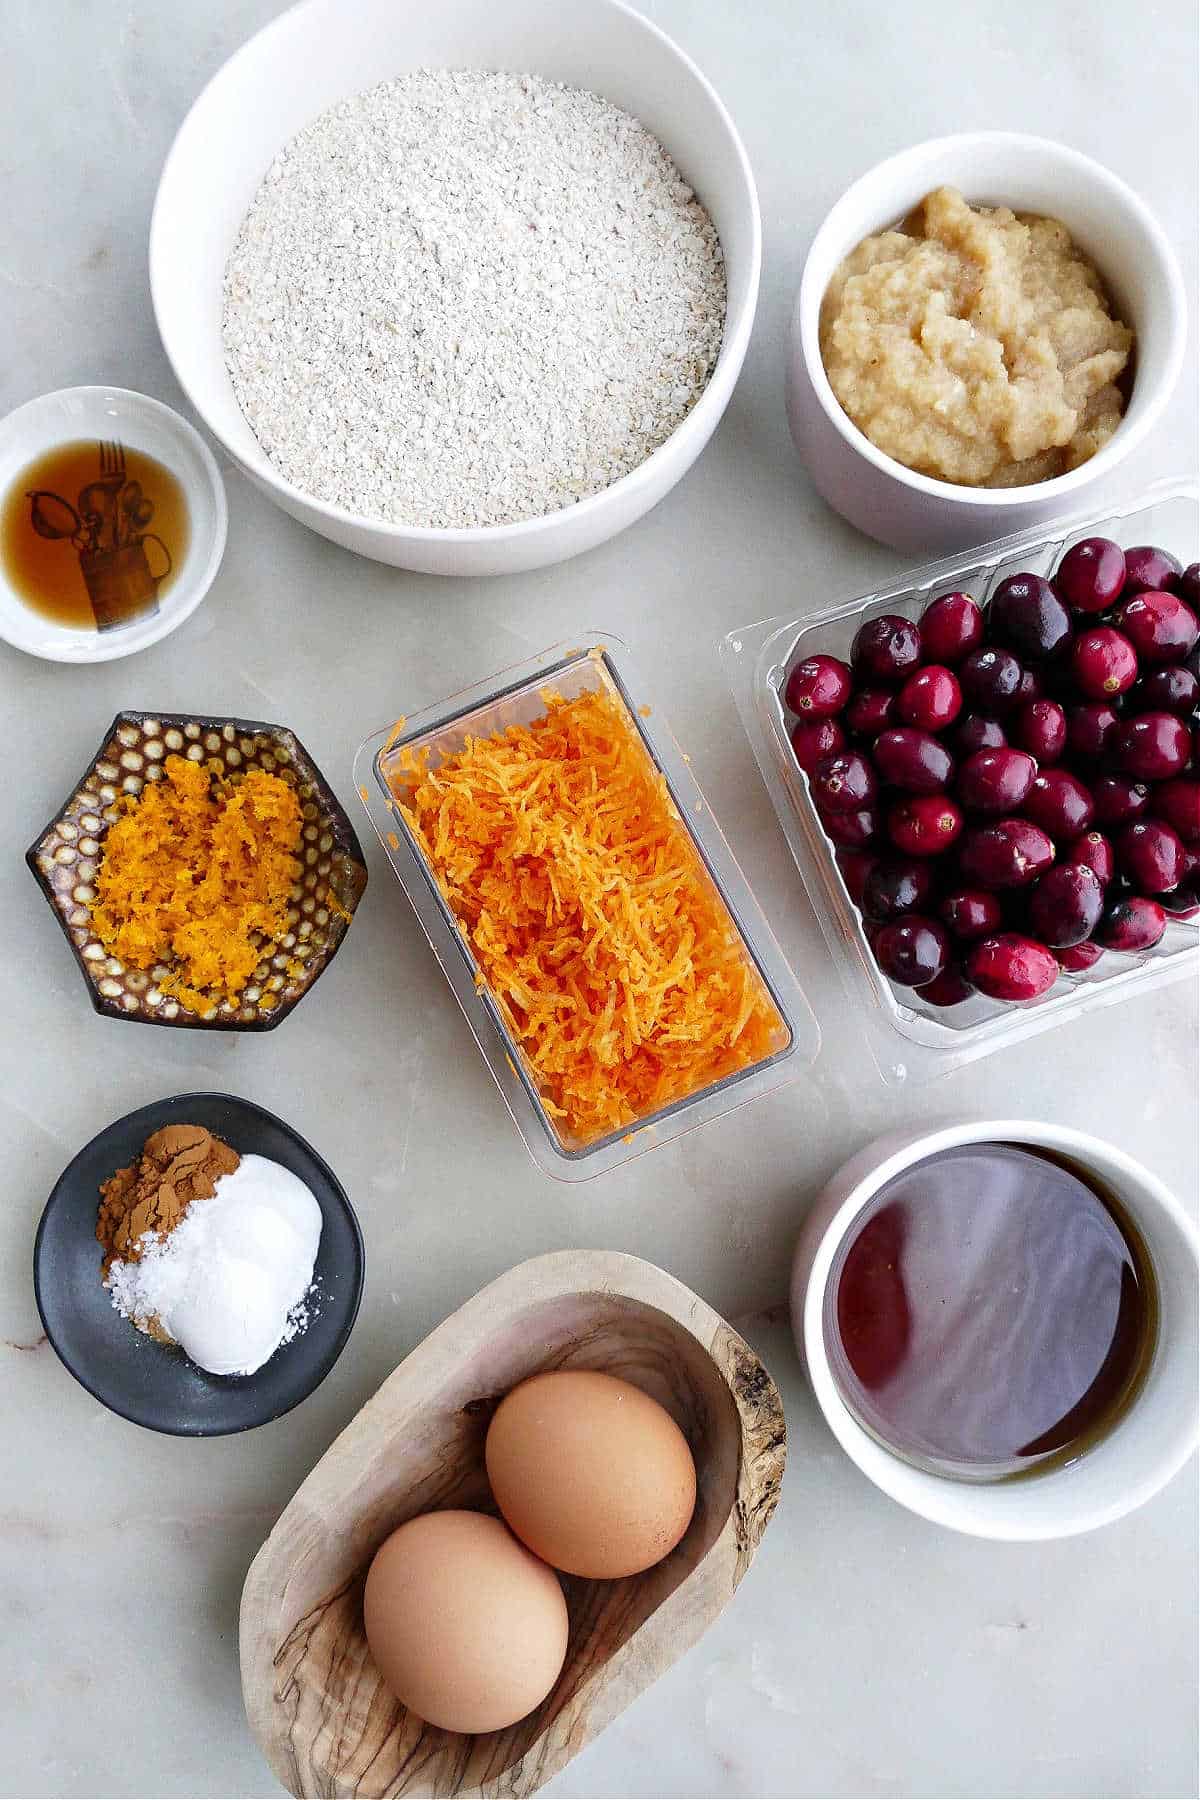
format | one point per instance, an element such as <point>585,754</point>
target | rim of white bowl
<point>714,399</point>
<point>1125,437</point>
<point>938,1498</point>
<point>137,636</point>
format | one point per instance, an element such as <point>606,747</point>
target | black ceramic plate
<point>154,1384</point>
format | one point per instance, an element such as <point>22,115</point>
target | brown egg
<point>591,1473</point>
<point>468,1630</point>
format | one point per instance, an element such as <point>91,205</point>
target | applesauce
<point>975,345</point>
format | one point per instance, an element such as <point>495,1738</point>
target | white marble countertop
<point>867,1653</point>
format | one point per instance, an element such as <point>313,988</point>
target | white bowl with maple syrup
<point>112,523</point>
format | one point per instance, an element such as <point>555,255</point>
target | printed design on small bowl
<point>106,527</point>
<point>66,857</point>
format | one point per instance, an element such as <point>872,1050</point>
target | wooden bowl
<point>325,1722</point>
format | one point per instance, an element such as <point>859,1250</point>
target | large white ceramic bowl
<point>1142,1451</point>
<point>1106,219</point>
<point>325,50</point>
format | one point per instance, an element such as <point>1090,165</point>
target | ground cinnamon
<point>178,1164</point>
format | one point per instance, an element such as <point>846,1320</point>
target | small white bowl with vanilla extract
<point>1000,1320</point>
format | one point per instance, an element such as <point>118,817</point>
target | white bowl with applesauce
<point>324,51</point>
<point>1107,222</point>
<point>1141,1450</point>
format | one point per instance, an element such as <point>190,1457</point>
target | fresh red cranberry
<point>896,886</point>
<point>1187,586</point>
<point>924,824</point>
<point>855,865</point>
<point>1065,905</point>
<point>951,626</point>
<point>971,913</point>
<point>1183,902</point>
<point>1132,923</point>
<point>1007,853</point>
<point>818,687</point>
<point>1161,627</point>
<point>1153,747</point>
<point>995,781</point>
<point>1041,729</point>
<point>1060,804</point>
<point>845,782</point>
<point>1104,662</point>
<point>1094,851</point>
<point>886,649</point>
<point>912,949</point>
<point>1091,726</point>
<point>1091,574</point>
<point>1152,856</point>
<point>931,698</point>
<point>1174,690</point>
<point>990,679</point>
<point>975,731</point>
<point>1116,799</point>
<point>1078,957</point>
<point>1010,966</point>
<point>1178,802</point>
<point>814,738</point>
<point>913,760</point>
<point>1027,616</point>
<point>950,988</point>
<point>856,830</point>
<point>1146,566</point>
<point>870,711</point>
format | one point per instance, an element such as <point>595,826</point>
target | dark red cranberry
<point>845,782</point>
<point>1027,616</point>
<point>1005,854</point>
<point>1116,798</point>
<point>1091,574</point>
<point>913,760</point>
<point>970,913</point>
<point>1183,902</point>
<point>1174,690</point>
<point>896,886</point>
<point>1146,566</point>
<point>1060,804</point>
<point>1078,957</point>
<point>1010,966</point>
<point>990,679</point>
<point>870,711</point>
<point>1178,802</point>
<point>856,830</point>
<point>950,988</point>
<point>1041,729</point>
<point>1161,627</point>
<point>1132,923</point>
<point>886,649</point>
<point>995,781</point>
<point>1029,689</point>
<point>931,698</point>
<point>814,738</point>
<point>1104,662</point>
<point>818,687</point>
<point>975,731</point>
<point>1091,726</point>
<point>1153,747</point>
<point>1065,905</point>
<point>1187,586</point>
<point>1152,856</point>
<point>912,950</point>
<point>1094,851</point>
<point>924,824</point>
<point>950,626</point>
<point>855,865</point>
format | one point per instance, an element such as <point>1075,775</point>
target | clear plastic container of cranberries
<point>993,806</point>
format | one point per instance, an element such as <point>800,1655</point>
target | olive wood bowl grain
<point>324,1720</point>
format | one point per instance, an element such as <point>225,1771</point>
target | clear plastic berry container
<point>910,1038</point>
<point>515,696</point>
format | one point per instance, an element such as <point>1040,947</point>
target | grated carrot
<point>590,914</point>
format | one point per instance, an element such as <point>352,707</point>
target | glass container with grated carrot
<point>611,955</point>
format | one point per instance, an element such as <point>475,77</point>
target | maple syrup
<point>93,534</point>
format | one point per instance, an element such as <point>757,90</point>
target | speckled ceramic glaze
<point>67,854</point>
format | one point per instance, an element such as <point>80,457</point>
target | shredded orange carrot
<point>611,956</point>
<point>196,874</point>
